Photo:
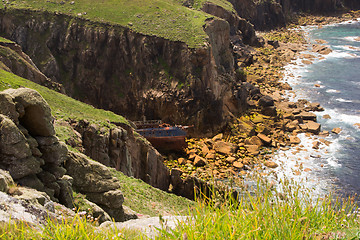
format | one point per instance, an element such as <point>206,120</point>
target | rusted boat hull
<point>165,138</point>
<point>172,143</point>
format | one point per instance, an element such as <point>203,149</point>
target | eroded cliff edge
<point>138,76</point>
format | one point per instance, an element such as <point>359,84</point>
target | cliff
<point>138,76</point>
<point>268,14</point>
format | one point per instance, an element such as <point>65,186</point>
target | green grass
<point>62,106</point>
<point>76,228</point>
<point>4,40</point>
<point>147,200</point>
<point>164,18</point>
<point>267,214</point>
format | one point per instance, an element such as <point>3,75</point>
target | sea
<point>332,80</point>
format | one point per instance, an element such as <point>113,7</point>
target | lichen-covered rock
<point>7,107</point>
<point>37,118</point>
<point>95,181</point>
<point>5,181</point>
<point>88,175</point>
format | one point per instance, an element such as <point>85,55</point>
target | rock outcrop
<point>114,68</point>
<point>30,151</point>
<point>121,148</point>
<point>17,62</point>
<point>96,182</point>
<point>269,14</point>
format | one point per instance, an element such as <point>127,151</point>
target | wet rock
<point>326,116</point>
<point>316,145</point>
<point>336,130</point>
<point>295,140</point>
<point>313,127</point>
<point>321,49</point>
<point>306,116</point>
<point>271,164</point>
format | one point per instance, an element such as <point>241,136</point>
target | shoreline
<point>254,139</point>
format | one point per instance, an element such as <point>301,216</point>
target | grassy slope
<point>165,18</point>
<point>63,107</point>
<point>145,199</point>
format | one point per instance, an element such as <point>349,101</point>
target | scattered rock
<point>199,161</point>
<point>238,165</point>
<point>326,116</point>
<point>271,164</point>
<point>266,140</point>
<point>225,147</point>
<point>252,149</point>
<point>294,140</point>
<point>313,127</point>
<point>357,125</point>
<point>182,161</point>
<point>336,130</point>
<point>266,101</point>
<point>316,145</point>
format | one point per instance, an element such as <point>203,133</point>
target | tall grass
<point>76,228</point>
<point>270,214</point>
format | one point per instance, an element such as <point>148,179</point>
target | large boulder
<point>96,182</point>
<point>36,117</point>
<point>89,176</point>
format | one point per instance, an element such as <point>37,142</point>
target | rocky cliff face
<point>35,158</point>
<point>269,14</point>
<point>29,150</point>
<point>121,148</point>
<point>131,74</point>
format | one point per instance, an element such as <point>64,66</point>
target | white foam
<point>337,117</point>
<point>349,48</point>
<point>341,54</point>
<point>352,38</point>
<point>332,91</point>
<point>343,100</point>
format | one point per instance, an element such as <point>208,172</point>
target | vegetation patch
<point>62,106</point>
<point>147,200</point>
<point>164,18</point>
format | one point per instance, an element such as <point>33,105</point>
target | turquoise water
<point>338,75</point>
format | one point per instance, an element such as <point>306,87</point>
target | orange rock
<point>230,159</point>
<point>271,164</point>
<point>266,140</point>
<point>252,149</point>
<point>307,170</point>
<point>294,140</point>
<point>225,147</point>
<point>199,161</point>
<point>336,130</point>
<point>182,161</point>
<point>238,164</point>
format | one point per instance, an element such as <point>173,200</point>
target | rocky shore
<point>273,122</point>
